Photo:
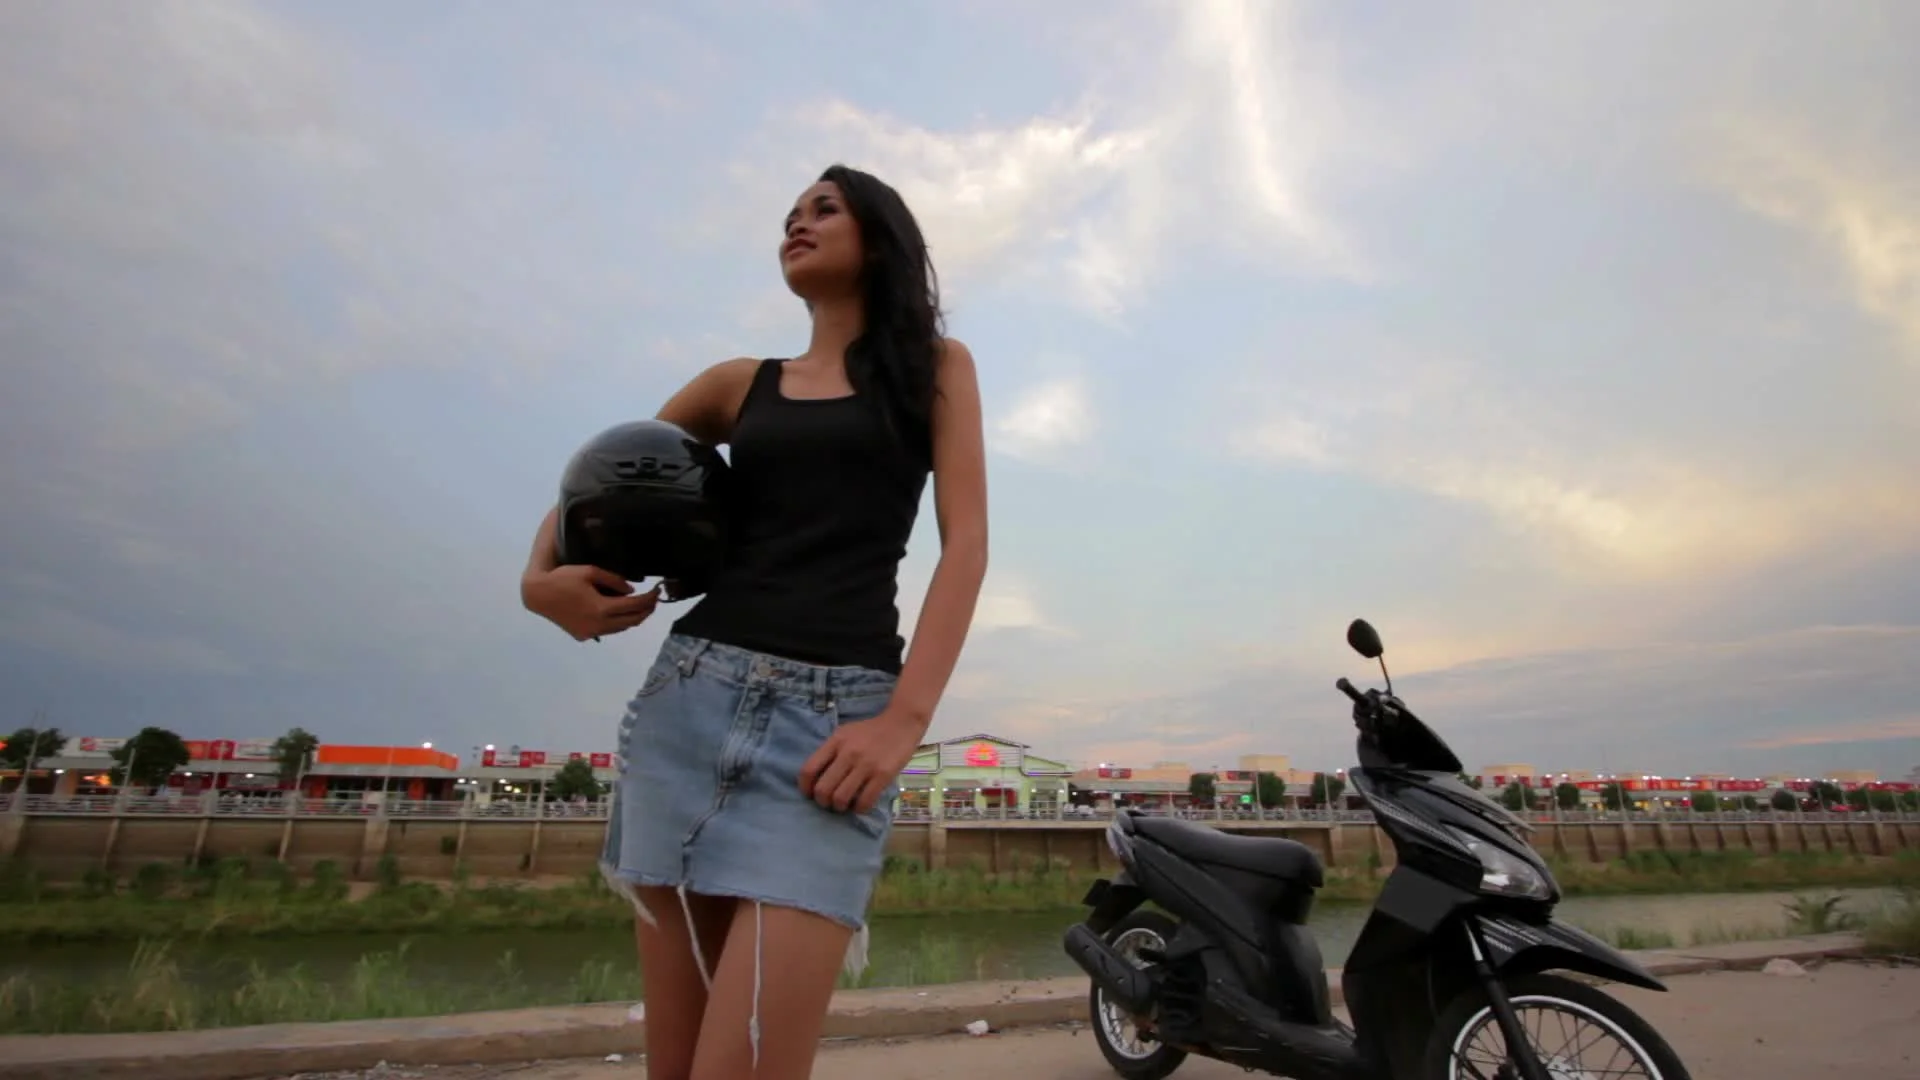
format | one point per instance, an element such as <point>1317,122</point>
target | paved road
<point>1841,1021</point>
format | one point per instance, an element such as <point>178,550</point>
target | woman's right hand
<point>586,601</point>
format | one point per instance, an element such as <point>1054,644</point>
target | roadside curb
<point>598,1030</point>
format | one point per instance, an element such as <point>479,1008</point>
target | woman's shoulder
<point>708,404</point>
<point>729,379</point>
<point>954,355</point>
<point>735,372</point>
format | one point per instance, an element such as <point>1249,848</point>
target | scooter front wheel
<point>1576,1031</point>
<point>1132,1053</point>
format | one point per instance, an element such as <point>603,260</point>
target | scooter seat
<point>1267,856</point>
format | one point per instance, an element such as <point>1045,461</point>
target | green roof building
<point>981,773</point>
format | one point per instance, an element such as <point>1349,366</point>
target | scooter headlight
<point>1502,872</point>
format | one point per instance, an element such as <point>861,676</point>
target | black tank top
<point>824,499</point>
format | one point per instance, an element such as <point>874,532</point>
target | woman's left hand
<point>859,761</point>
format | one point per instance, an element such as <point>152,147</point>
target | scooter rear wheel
<point>1121,1043</point>
<point>1553,1010</point>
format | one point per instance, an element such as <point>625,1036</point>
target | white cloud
<point>1286,438</point>
<point>1867,218</point>
<point>1050,417</point>
<point>987,198</point>
<point>1008,605</point>
<point>1229,131</point>
<point>1610,502</point>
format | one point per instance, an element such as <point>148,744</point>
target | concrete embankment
<point>597,1030</point>
<point>66,847</point>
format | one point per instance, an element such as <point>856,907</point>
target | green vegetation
<point>1326,790</point>
<point>1201,787</point>
<point>238,898</point>
<point>1800,916</point>
<point>157,991</point>
<point>575,780</point>
<point>30,744</point>
<point>153,754</point>
<point>171,914</point>
<point>293,753</point>
<point>1896,930</point>
<point>1517,796</point>
<point>1269,790</point>
<point>1733,871</point>
<point>156,994</point>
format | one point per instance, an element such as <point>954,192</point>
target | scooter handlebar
<point>1348,689</point>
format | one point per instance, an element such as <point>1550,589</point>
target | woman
<point>759,759</point>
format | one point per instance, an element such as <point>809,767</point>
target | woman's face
<point>820,252</point>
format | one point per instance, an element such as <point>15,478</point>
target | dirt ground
<point>1840,1020</point>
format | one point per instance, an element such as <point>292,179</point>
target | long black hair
<point>894,359</point>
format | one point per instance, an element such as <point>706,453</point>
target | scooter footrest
<point>1183,988</point>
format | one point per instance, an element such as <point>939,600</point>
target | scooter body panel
<point>1515,947</point>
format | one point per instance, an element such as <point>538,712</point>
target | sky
<point>1577,346</point>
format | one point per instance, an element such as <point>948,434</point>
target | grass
<point>235,898</point>
<point>1652,872</point>
<point>158,992</point>
<point>1895,931</point>
<point>1800,916</point>
<point>155,993</point>
<point>169,914</point>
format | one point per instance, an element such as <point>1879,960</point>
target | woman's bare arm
<point>705,407</point>
<point>594,601</point>
<point>545,555</point>
<point>960,505</point>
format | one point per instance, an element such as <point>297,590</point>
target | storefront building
<point>1168,785</point>
<point>980,774</point>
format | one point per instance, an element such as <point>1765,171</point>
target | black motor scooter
<point>1447,981</point>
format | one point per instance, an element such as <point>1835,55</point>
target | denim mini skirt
<point>708,799</point>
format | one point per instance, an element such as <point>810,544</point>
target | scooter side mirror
<point>1364,639</point>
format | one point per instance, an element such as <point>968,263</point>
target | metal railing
<point>281,804</point>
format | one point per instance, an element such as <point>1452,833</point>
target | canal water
<point>905,950</point>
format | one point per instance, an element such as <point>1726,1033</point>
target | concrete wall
<point>67,847</point>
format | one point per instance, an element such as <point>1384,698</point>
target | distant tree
<point>155,754</point>
<point>1782,799</point>
<point>1269,790</point>
<point>1748,802</point>
<point>1705,802</point>
<point>1910,800</point>
<point>293,754</point>
<point>1860,798</point>
<point>1826,793</point>
<point>1327,789</point>
<point>1613,796</point>
<point>1568,796</point>
<point>31,744</point>
<point>575,780</point>
<point>1473,782</point>
<point>1517,796</point>
<point>1200,787</point>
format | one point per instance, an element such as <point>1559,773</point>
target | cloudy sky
<point>1577,345</point>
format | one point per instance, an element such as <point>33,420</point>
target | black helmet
<point>645,499</point>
